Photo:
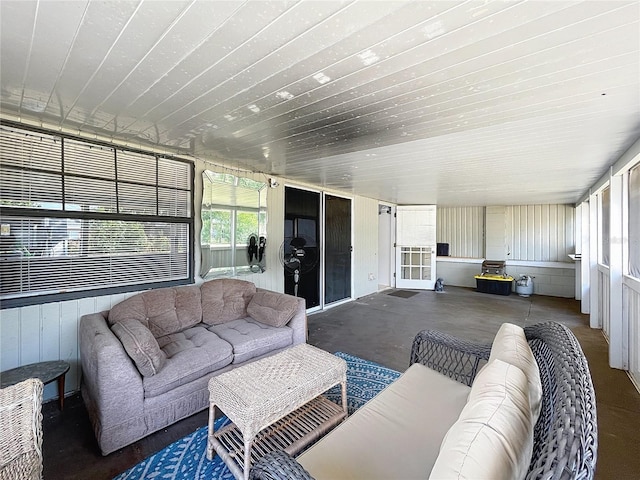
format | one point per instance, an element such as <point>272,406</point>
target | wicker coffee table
<point>275,403</point>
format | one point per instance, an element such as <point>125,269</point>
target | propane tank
<point>524,285</point>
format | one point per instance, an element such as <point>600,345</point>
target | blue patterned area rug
<point>186,458</point>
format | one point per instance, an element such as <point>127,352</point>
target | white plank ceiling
<point>411,102</point>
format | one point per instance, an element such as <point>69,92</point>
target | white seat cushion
<point>395,435</point>
<point>191,354</point>
<point>251,339</point>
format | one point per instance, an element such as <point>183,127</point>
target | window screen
<point>78,216</point>
<point>634,221</point>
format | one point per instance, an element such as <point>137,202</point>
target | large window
<point>234,224</point>
<point>79,216</point>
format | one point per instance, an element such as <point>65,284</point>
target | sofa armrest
<point>278,465</point>
<point>456,358</point>
<point>113,381</point>
<point>298,322</point>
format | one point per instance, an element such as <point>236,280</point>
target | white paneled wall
<point>495,234</point>
<point>544,233</point>
<point>365,246</point>
<point>463,229</point>
<point>535,240</point>
<point>48,332</point>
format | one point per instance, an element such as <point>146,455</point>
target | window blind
<point>78,216</point>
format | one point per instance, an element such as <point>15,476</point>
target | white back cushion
<point>493,437</point>
<point>511,346</point>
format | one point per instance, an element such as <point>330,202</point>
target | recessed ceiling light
<point>284,95</point>
<point>321,78</point>
<point>368,57</point>
<point>434,29</point>
<point>230,117</point>
<point>254,108</point>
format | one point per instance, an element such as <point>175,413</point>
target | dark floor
<point>380,328</point>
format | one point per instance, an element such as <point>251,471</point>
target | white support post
<point>592,260</point>
<point>585,264</point>
<point>617,334</point>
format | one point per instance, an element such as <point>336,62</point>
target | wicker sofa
<point>146,362</point>
<point>422,426</point>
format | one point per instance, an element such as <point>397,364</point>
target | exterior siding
<point>543,233</point>
<point>463,229</point>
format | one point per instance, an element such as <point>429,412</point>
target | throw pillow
<point>140,345</point>
<point>272,308</point>
<point>511,346</point>
<point>493,437</point>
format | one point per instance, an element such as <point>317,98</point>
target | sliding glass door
<point>337,249</point>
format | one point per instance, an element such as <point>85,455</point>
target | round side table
<point>45,371</point>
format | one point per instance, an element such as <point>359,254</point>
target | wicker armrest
<point>456,358</point>
<point>21,432</point>
<point>278,465</point>
<point>566,435</point>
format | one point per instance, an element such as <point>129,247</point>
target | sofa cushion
<point>225,299</point>
<point>251,339</point>
<point>397,434</point>
<point>272,308</point>
<point>140,345</point>
<point>191,354</point>
<point>493,438</point>
<point>162,310</point>
<point>510,345</point>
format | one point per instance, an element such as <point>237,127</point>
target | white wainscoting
<point>39,333</point>
<point>631,308</point>
<point>604,292</point>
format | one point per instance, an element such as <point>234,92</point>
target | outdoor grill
<point>494,267</point>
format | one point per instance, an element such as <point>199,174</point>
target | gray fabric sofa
<point>146,362</point>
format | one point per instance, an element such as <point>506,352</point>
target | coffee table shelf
<point>291,433</point>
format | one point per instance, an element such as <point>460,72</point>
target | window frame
<point>30,298</point>
<point>232,268</point>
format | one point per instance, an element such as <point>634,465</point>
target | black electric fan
<point>297,258</point>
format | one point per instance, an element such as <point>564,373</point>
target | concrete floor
<point>381,328</point>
